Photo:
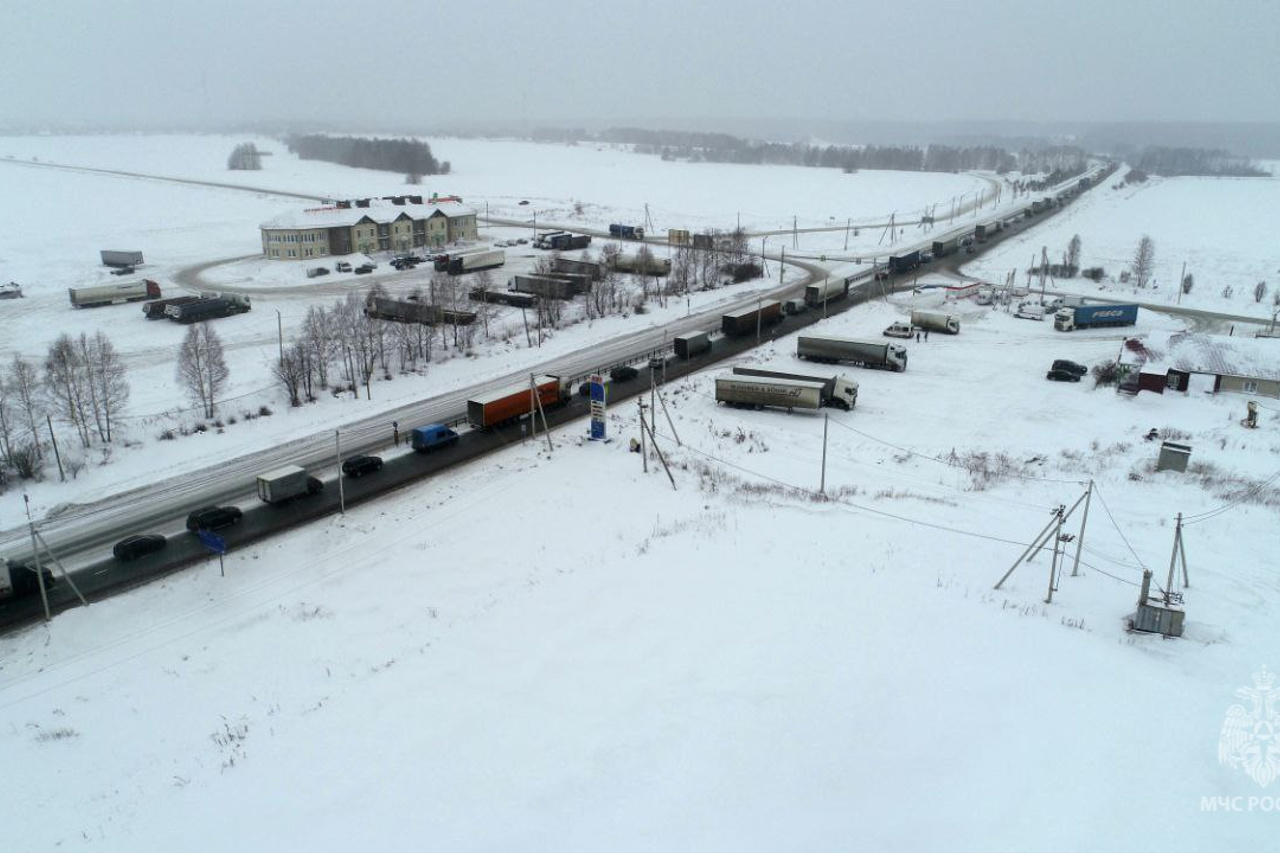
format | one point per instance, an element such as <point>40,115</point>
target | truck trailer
<point>412,311</point>
<point>755,392</point>
<point>587,268</point>
<point>838,391</point>
<point>475,261</point>
<point>817,295</point>
<point>1094,316</point>
<point>899,264</point>
<point>634,264</point>
<point>287,483</point>
<point>942,248</point>
<point>543,285</point>
<point>155,309</point>
<point>885,356</point>
<point>626,232</point>
<point>207,307</point>
<point>117,258</point>
<point>693,344</point>
<point>936,321</point>
<point>567,242</point>
<point>502,297</point>
<point>985,231</point>
<point>113,294</point>
<point>748,320</point>
<point>515,401</point>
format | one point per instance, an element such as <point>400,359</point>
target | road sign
<point>212,541</point>
<point>597,388</point>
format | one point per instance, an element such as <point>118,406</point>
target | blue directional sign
<point>212,541</point>
<point>597,389</point>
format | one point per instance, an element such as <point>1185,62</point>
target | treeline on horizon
<point>408,156</point>
<point>1063,160</point>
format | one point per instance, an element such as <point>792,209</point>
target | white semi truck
<point>756,392</point>
<point>887,356</point>
<point>936,321</point>
<point>838,391</point>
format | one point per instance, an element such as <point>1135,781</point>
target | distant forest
<point>407,156</point>
<point>725,148</point>
<point>1194,161</point>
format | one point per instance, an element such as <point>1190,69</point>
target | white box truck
<point>284,484</point>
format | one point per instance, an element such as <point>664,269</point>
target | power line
<point>1101,500</point>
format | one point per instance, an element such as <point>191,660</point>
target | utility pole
<point>848,221</point>
<point>644,453</point>
<point>795,233</point>
<point>280,334</point>
<point>35,552</point>
<point>1181,279</point>
<point>1178,551</point>
<point>822,483</point>
<point>782,266</point>
<point>1075,566</point>
<point>759,308</point>
<point>62,476</point>
<point>1053,563</point>
<point>342,494</point>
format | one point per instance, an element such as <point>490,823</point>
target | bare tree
<point>1073,254</point>
<point>245,157</point>
<point>1260,291</point>
<point>108,388</point>
<point>1188,282</point>
<point>24,391</point>
<point>290,371</point>
<point>1144,259</point>
<point>67,385</point>
<point>202,369</point>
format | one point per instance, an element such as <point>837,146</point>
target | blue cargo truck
<point>1094,316</point>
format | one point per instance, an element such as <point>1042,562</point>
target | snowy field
<point>1223,229</point>
<point>178,225</point>
<point>733,664</point>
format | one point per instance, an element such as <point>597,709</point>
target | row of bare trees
<point>81,383</point>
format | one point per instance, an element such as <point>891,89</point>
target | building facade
<point>390,224</point>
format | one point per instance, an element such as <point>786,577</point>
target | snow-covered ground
<point>178,225</point>
<point>1223,229</point>
<point>556,650</point>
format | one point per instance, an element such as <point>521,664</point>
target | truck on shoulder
<point>875,354</point>
<point>985,231</point>
<point>1094,316</point>
<point>747,320</point>
<point>286,483</point>
<point>942,248</point>
<point>113,294</point>
<point>424,439</point>
<point>209,306</point>
<point>692,344</point>
<point>936,321</point>
<point>155,309</point>
<point>626,232</point>
<point>899,264</point>
<point>755,392</point>
<point>817,295</point>
<point>516,401</point>
<point>838,391</point>
<point>117,258</point>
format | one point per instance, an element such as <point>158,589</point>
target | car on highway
<point>623,373</point>
<point>133,547</point>
<point>214,518</point>
<point>1059,375</point>
<point>358,466</point>
<point>1074,366</point>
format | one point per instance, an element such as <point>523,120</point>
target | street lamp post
<point>280,333</point>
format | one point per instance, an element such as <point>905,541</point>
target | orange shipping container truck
<point>514,401</point>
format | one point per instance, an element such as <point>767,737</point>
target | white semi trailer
<point>756,392</point>
<point>887,356</point>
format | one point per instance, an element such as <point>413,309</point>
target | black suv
<point>623,373</point>
<point>1073,366</point>
<point>214,518</point>
<point>358,466</point>
<point>1059,375</point>
<point>363,269</point>
<point>133,547</point>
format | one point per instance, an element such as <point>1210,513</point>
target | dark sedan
<point>358,466</point>
<point>214,518</point>
<point>1072,366</point>
<point>133,547</point>
<point>1059,375</point>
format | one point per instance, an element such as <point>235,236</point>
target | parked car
<point>358,466</point>
<point>1060,375</point>
<point>1074,366</point>
<point>342,266</point>
<point>123,271</point>
<point>623,373</point>
<point>522,241</point>
<point>363,269</point>
<point>133,547</point>
<point>214,518</point>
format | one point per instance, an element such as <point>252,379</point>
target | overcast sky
<point>547,61</point>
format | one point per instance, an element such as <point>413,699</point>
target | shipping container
<point>887,356</point>
<point>514,401</point>
<point>113,294</point>
<point>748,320</point>
<point>757,392</point>
<point>693,344</point>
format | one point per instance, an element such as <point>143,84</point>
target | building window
<point>1251,386</point>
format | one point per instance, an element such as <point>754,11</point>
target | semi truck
<point>986,231</point>
<point>693,344</point>
<point>515,401</point>
<point>634,264</point>
<point>942,248</point>
<point>208,307</point>
<point>885,356</point>
<point>748,320</point>
<point>18,579</point>
<point>567,242</point>
<point>475,261</point>
<point>838,391</point>
<point>817,295</point>
<point>113,294</point>
<point>541,285</point>
<point>588,268</point>
<point>1094,316</point>
<point>626,232</point>
<point>282,485</point>
<point>936,321</point>
<point>410,311</point>
<point>155,309</point>
<point>502,297</point>
<point>117,258</point>
<point>543,240</point>
<point>754,392</point>
<point>899,264</point>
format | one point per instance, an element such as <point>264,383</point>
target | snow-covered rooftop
<point>332,216</point>
<point>1190,352</point>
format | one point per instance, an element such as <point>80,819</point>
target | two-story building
<point>390,224</point>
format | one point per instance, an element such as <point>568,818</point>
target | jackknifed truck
<point>936,321</point>
<point>756,392</point>
<point>838,391</point>
<point>1094,316</point>
<point>885,356</point>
